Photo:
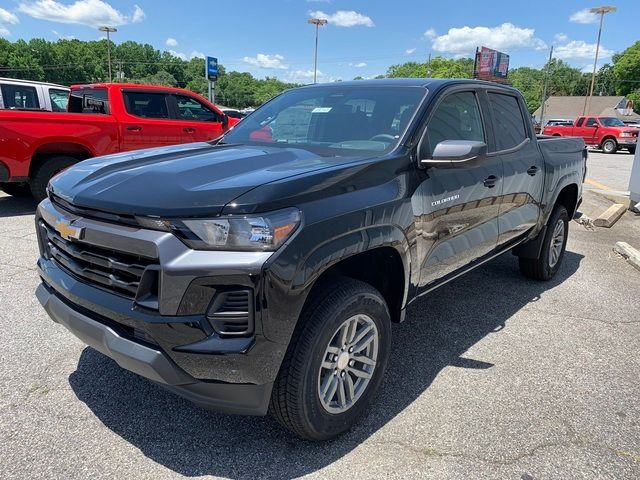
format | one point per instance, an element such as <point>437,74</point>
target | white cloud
<point>263,60</point>
<point>560,38</point>
<point>171,42</point>
<point>6,17</point>
<point>358,65</point>
<point>94,13</point>
<point>181,55</point>
<point>306,76</point>
<point>63,37</point>
<point>344,18</point>
<point>196,54</point>
<point>580,49</point>
<point>431,33</point>
<point>138,14</point>
<point>319,1</point>
<point>583,16</point>
<point>410,51</point>
<point>464,40</point>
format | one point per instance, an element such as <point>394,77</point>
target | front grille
<point>231,312</point>
<point>114,270</point>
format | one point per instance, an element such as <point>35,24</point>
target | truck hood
<point>195,179</point>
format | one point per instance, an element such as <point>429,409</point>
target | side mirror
<point>225,120</point>
<point>456,153</point>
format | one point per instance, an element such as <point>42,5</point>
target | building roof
<point>572,107</point>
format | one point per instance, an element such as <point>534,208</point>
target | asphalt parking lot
<point>492,376</point>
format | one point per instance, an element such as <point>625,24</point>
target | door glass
<point>508,121</point>
<point>591,122</point>
<point>191,109</point>
<point>580,122</point>
<point>59,99</point>
<point>457,117</point>
<point>19,96</point>
<point>146,105</point>
<point>89,100</point>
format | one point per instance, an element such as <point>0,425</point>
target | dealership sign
<point>211,68</point>
<point>491,64</point>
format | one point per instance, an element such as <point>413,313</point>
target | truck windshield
<point>611,122</point>
<point>332,120</point>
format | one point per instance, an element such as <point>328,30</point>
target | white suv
<point>29,95</point>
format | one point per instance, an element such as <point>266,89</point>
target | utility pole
<point>429,66</point>
<point>318,22</point>
<point>546,85</point>
<point>108,30</point>
<point>601,11</point>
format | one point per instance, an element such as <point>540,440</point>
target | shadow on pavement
<point>440,327</point>
<point>16,206</point>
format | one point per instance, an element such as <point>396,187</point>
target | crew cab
<point>101,119</point>
<point>608,133</point>
<point>16,94</point>
<point>262,272</point>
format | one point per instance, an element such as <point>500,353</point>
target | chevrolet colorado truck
<point>262,272</point>
<point>101,119</point>
<point>608,133</point>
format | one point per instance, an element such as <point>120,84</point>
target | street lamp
<point>600,11</point>
<point>108,30</point>
<point>318,22</point>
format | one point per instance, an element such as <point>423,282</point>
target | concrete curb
<point>610,216</point>
<point>627,251</point>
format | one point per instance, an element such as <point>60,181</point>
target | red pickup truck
<point>608,133</point>
<point>100,119</point>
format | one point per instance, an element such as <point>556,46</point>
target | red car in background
<point>608,133</point>
<point>101,119</point>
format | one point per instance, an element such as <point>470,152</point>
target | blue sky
<point>363,37</point>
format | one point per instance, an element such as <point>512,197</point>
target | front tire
<point>335,362</point>
<point>553,247</point>
<point>609,146</point>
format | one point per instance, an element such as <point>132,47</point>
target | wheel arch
<point>63,148</point>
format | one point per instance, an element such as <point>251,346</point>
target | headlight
<point>265,232</point>
<point>626,134</point>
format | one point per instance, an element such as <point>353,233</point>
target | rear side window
<point>580,122</point>
<point>591,122</point>
<point>20,96</point>
<point>89,100</point>
<point>59,99</point>
<point>508,121</point>
<point>192,110</point>
<point>457,117</point>
<point>147,104</point>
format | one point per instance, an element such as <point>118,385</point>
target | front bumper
<point>627,142</point>
<point>153,364</point>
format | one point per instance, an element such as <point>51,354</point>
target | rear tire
<point>322,389</point>
<point>18,189</point>
<point>47,169</point>
<point>553,247</point>
<point>609,146</point>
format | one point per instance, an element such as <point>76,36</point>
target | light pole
<point>108,30</point>
<point>318,22</point>
<point>601,11</point>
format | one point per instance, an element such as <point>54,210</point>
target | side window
<point>591,122</point>
<point>508,121</point>
<point>580,122</point>
<point>146,104</point>
<point>457,117</point>
<point>89,100</point>
<point>191,109</point>
<point>20,96</point>
<point>59,99</point>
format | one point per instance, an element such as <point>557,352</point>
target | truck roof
<point>140,86</point>
<point>412,82</point>
<point>31,82</point>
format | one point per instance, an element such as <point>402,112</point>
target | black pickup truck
<point>261,272</point>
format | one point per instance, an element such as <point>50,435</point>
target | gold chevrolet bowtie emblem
<point>67,231</point>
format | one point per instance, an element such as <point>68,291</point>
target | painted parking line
<point>595,183</point>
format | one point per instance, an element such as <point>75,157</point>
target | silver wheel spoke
<point>365,360</point>
<point>342,396</point>
<point>331,391</point>
<point>364,342</point>
<point>361,335</point>
<point>351,391</point>
<point>328,365</point>
<point>360,373</point>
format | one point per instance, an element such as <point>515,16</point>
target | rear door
<point>522,163</point>
<point>20,96</point>
<point>456,209</point>
<point>200,123</point>
<point>147,121</point>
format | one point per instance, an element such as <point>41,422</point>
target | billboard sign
<point>211,68</point>
<point>491,64</point>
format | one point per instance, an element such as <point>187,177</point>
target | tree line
<point>74,61</point>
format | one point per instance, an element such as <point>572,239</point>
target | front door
<point>199,122</point>
<point>456,209</point>
<point>590,130</point>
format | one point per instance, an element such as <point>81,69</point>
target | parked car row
<point>27,95</point>
<point>100,119</point>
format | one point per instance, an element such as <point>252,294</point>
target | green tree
<point>626,66</point>
<point>161,77</point>
<point>438,67</point>
<point>530,83</point>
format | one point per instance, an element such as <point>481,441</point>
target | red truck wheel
<point>45,171</point>
<point>609,146</point>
